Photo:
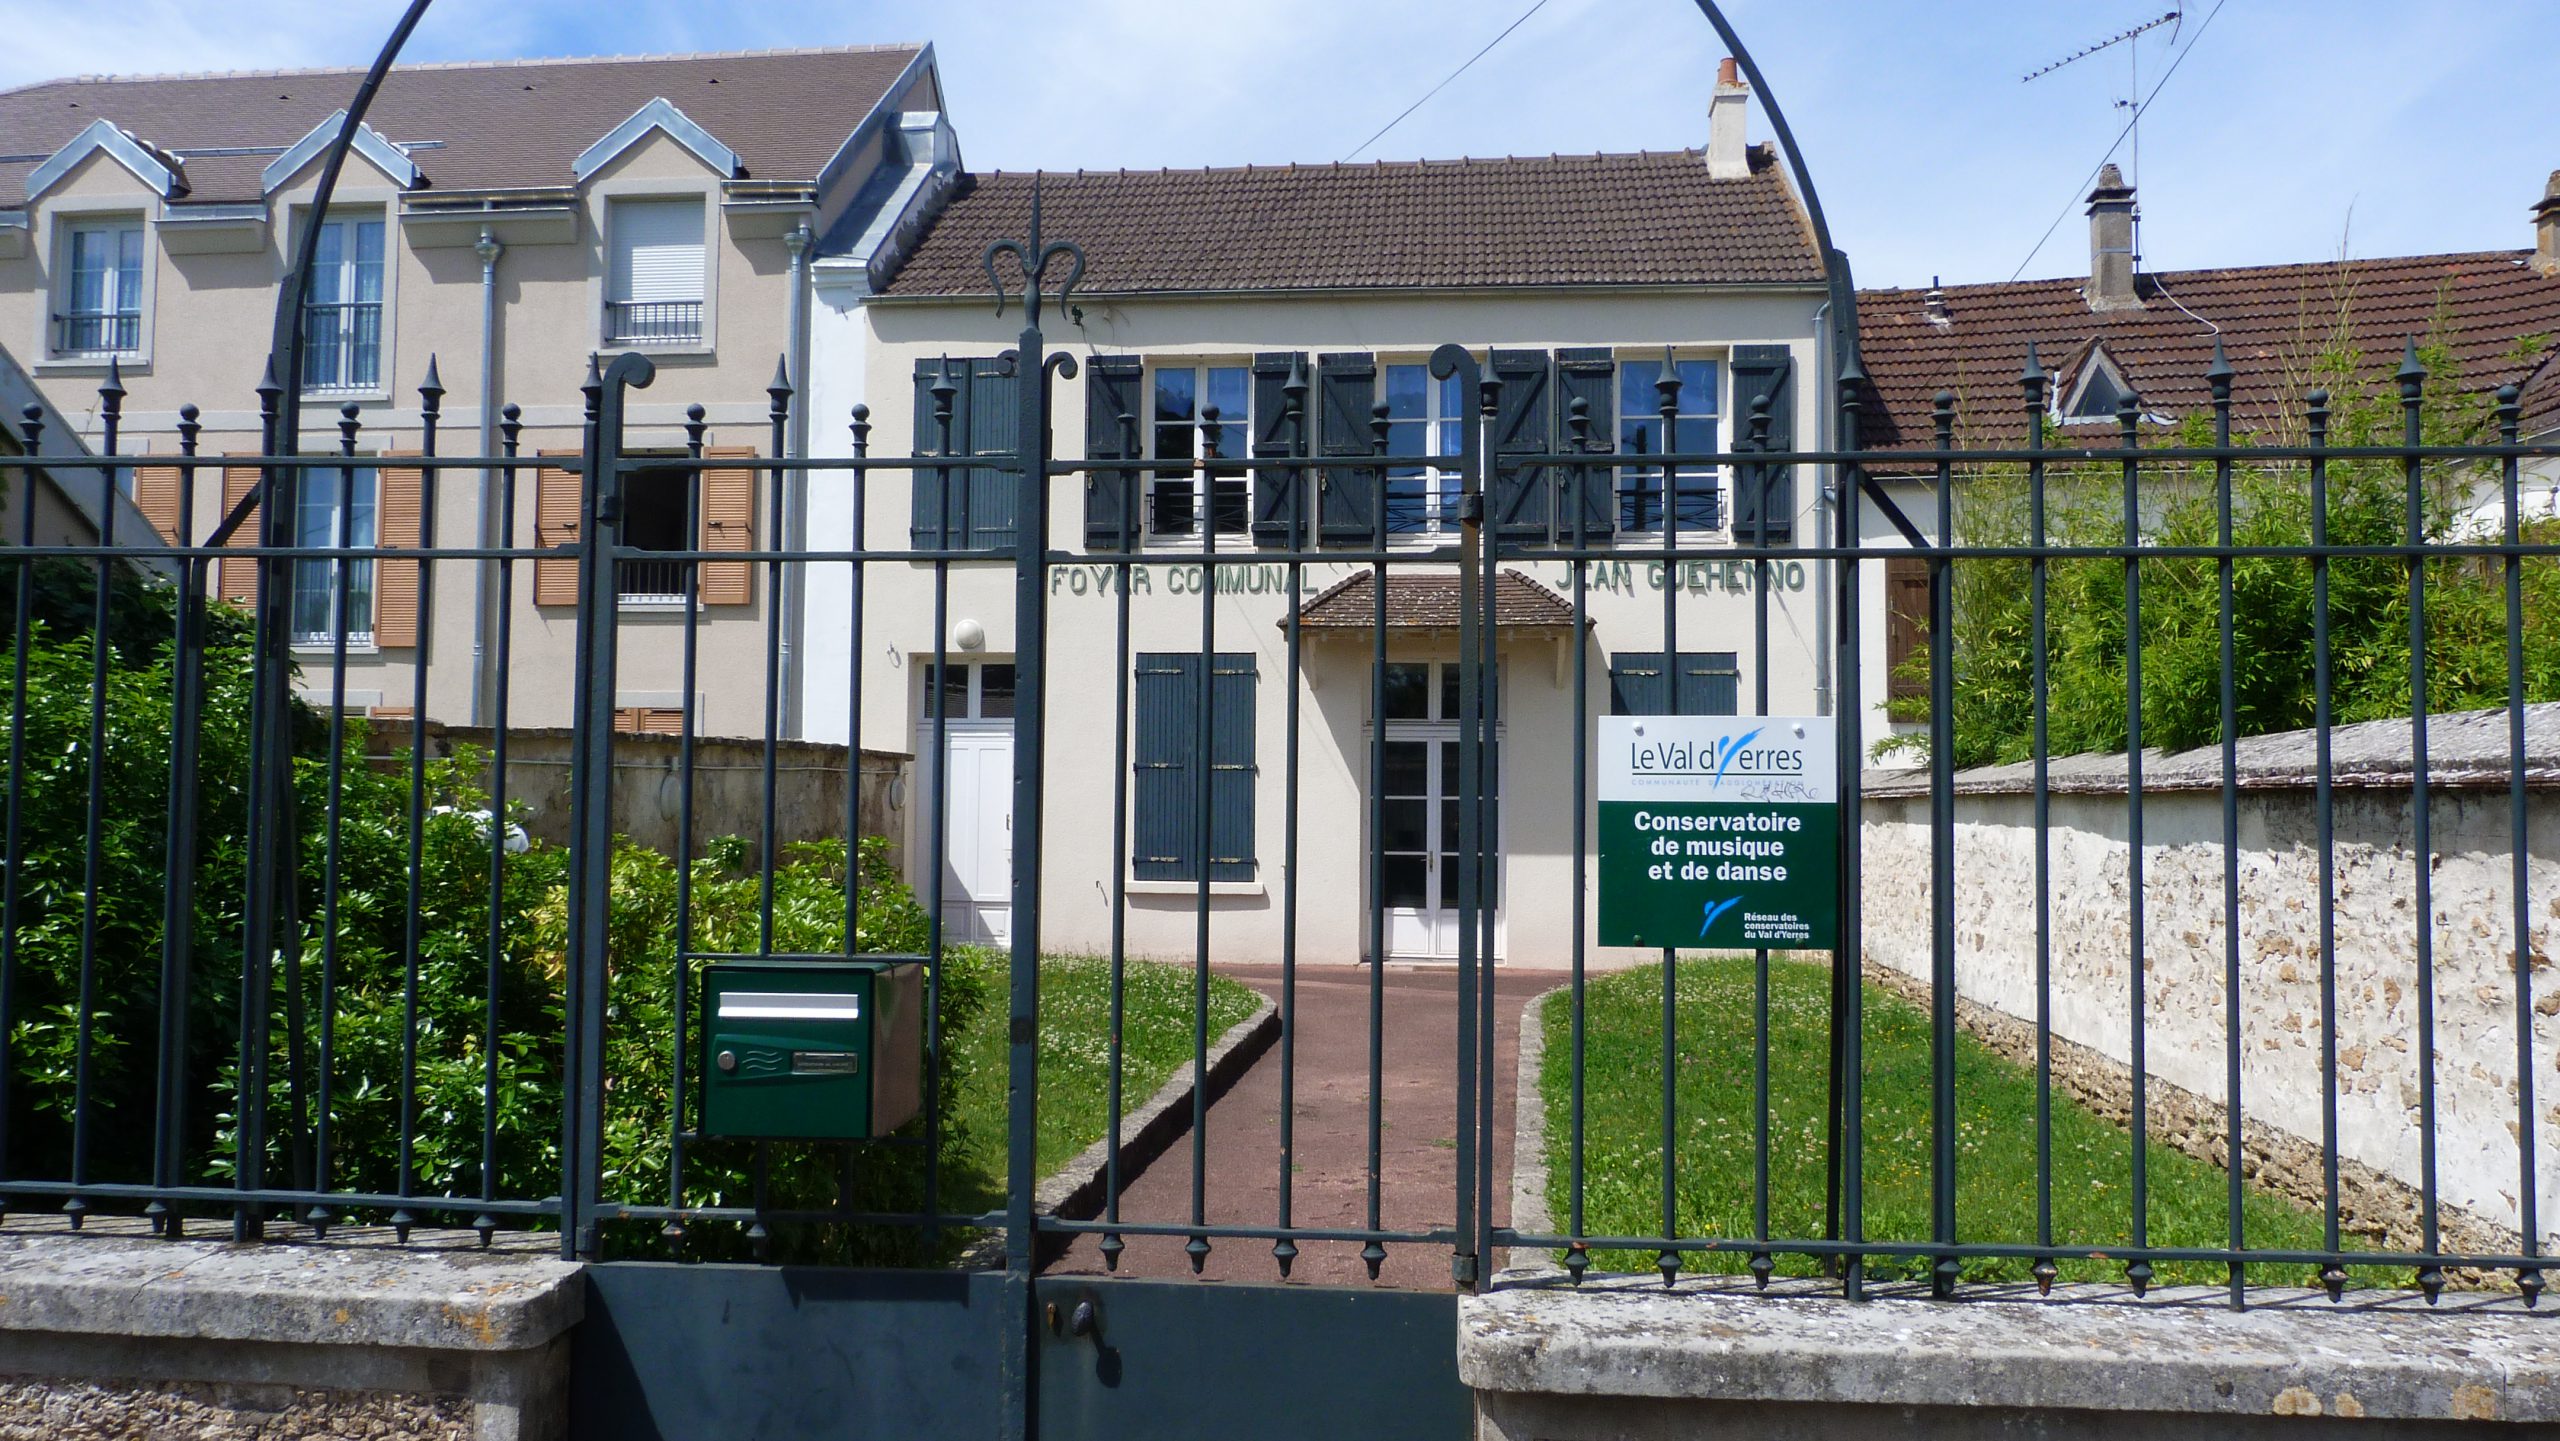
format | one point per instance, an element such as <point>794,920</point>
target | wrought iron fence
<point>342,983</point>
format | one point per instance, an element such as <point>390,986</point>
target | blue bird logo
<point>1713,910</point>
<point>1727,749</point>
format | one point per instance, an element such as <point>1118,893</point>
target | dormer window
<point>98,312</point>
<point>654,293</point>
<point>342,316</point>
<point>2096,395</point>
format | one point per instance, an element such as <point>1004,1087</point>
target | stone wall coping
<point>2092,1348</point>
<point>2466,750</point>
<point>355,1288</point>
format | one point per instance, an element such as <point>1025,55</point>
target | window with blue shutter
<point>1167,780</point>
<point>1710,683</point>
<point>965,507</point>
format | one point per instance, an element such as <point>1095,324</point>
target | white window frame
<point>612,286</point>
<point>69,230</point>
<point>348,273</point>
<point>1631,537</point>
<point>1440,495</point>
<point>366,490</point>
<point>1235,442</point>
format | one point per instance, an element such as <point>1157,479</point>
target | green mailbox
<point>812,1047</point>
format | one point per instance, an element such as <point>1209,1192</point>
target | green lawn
<point>1995,1154</point>
<point>1075,1054</point>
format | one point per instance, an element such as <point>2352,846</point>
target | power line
<point>1454,74</point>
<point>2083,188</point>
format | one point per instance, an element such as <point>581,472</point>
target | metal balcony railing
<point>652,322</point>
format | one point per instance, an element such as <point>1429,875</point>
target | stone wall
<point>728,785</point>
<point>113,1332</point>
<point>2184,1004</point>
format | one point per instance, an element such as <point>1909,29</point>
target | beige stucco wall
<point>1713,606</point>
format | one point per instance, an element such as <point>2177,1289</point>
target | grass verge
<point>1159,1002</point>
<point>1995,1149</point>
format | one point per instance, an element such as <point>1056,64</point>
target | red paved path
<point>1418,1158</point>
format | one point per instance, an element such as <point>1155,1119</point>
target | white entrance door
<point>977,880</point>
<point>975,780</point>
<point>1418,835</point>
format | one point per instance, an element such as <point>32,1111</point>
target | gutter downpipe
<point>788,602</point>
<point>1825,434</point>
<point>485,604</point>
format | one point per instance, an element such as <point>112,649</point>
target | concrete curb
<point>1078,1190</point>
<point>1529,1213</point>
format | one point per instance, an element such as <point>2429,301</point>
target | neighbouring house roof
<point>502,125</point>
<point>2499,320</point>
<point>1430,602</point>
<point>1643,219</point>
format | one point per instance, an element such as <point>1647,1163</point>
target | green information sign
<point>1719,832</point>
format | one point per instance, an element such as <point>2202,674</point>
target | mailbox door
<point>787,1052</point>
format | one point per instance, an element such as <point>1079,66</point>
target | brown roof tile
<point>1430,602</point>
<point>502,125</point>
<point>2485,308</point>
<point>1647,219</point>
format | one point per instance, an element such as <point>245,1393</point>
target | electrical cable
<point>2138,110</point>
<point>1443,85</point>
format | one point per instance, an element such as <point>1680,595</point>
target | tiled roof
<point>1647,219</point>
<point>1430,602</point>
<point>2485,308</point>
<point>503,125</point>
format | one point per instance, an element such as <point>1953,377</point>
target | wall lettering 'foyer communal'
<point>1697,577</point>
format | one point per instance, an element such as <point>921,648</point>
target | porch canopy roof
<point>1429,601</point>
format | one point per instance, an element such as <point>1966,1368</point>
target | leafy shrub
<point>344,990</point>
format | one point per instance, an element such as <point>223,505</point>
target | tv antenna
<point>2085,51</point>
<point>2133,61</point>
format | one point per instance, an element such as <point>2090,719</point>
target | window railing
<point>649,580</point>
<point>342,346</point>
<point>99,333</point>
<point>652,322</point>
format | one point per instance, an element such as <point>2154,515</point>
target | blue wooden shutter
<point>1112,414</point>
<point>1590,375</point>
<point>1764,370</point>
<point>937,514</point>
<point>993,494</point>
<point>1164,805</point>
<point>1521,426</point>
<point>1346,389</point>
<point>1231,768</point>
<point>1277,520</point>
<point>1710,683</point>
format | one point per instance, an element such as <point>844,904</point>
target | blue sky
<point>2296,129</point>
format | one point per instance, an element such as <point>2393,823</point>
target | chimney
<point>2546,230</point>
<point>1728,156</point>
<point>2111,244</point>
<point>1933,304</point>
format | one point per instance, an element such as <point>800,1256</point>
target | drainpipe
<point>787,600</point>
<point>486,603</point>
<point>1830,499</point>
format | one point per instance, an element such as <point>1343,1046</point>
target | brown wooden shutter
<point>238,578</point>
<point>649,720</point>
<point>155,494</point>
<point>728,523</point>
<point>555,523</point>
<point>1906,635</point>
<point>398,525</point>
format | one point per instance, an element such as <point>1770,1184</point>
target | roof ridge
<point>1307,166</point>
<point>1980,286</point>
<point>517,62</point>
